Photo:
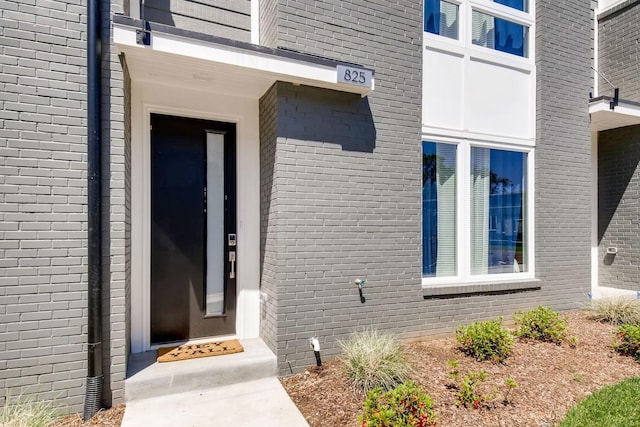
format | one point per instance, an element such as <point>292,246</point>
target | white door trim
<point>147,98</point>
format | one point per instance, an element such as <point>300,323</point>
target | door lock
<point>232,260</point>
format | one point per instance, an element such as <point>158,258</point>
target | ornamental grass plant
<point>373,359</point>
<point>616,310</point>
<point>27,413</point>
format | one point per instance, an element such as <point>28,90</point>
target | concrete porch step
<point>146,378</point>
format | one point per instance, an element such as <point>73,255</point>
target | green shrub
<point>27,413</point>
<point>628,342</point>
<point>542,324</point>
<point>373,359</point>
<point>487,340</point>
<point>619,310</point>
<point>405,405</point>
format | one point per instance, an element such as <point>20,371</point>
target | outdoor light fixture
<point>315,345</point>
<point>360,284</point>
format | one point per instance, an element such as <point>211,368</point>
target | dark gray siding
<point>268,23</point>
<point>619,50</point>
<point>43,200</point>
<point>619,207</point>
<point>43,205</point>
<point>116,185</point>
<point>564,50</point>
<point>268,224</point>
<point>224,18</point>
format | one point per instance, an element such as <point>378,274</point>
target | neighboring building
<point>616,140</point>
<point>260,156</point>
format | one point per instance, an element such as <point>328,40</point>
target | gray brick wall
<point>43,200</point>
<point>619,50</point>
<point>618,217</point>
<point>43,281</point>
<point>268,220</point>
<point>224,18</point>
<point>563,155</point>
<point>116,137</point>
<point>347,193</point>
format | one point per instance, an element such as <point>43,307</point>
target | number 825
<point>355,76</point>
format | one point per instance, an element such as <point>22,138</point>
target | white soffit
<point>213,67</point>
<point>603,118</point>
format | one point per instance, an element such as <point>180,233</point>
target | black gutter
<point>95,379</point>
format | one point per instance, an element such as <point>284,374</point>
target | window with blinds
<point>441,17</point>
<point>438,209</point>
<point>493,207</point>
<point>498,34</point>
<point>500,30</point>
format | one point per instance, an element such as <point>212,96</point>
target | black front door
<point>193,286</point>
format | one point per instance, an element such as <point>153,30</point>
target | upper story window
<point>516,4</point>
<point>501,25</point>
<point>441,17</point>
<point>498,34</point>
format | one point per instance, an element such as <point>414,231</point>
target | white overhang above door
<point>212,64</point>
<point>626,113</point>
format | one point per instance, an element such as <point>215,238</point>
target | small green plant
<point>511,385</point>
<point>573,341</point>
<point>373,359</point>
<point>628,341</point>
<point>467,386</point>
<point>619,310</point>
<point>405,405</point>
<point>542,324</point>
<point>454,374</point>
<point>487,340</point>
<point>27,413</point>
<point>468,393</point>
<point>578,378</point>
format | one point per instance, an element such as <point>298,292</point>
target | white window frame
<point>463,213</point>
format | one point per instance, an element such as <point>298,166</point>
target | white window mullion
<point>479,181</point>
<point>464,219</point>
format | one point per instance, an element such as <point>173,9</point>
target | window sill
<point>485,288</point>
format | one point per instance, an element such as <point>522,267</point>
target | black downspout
<point>95,379</point>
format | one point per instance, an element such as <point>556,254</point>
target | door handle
<point>232,260</point>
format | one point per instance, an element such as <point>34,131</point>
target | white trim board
<point>180,60</point>
<point>603,118</point>
<point>148,98</point>
<point>255,21</point>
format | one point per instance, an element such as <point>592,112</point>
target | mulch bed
<point>111,417</point>
<point>551,380</point>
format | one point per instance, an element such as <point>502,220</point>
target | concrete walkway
<point>262,402</point>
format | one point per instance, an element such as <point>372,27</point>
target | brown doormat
<point>195,351</point>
